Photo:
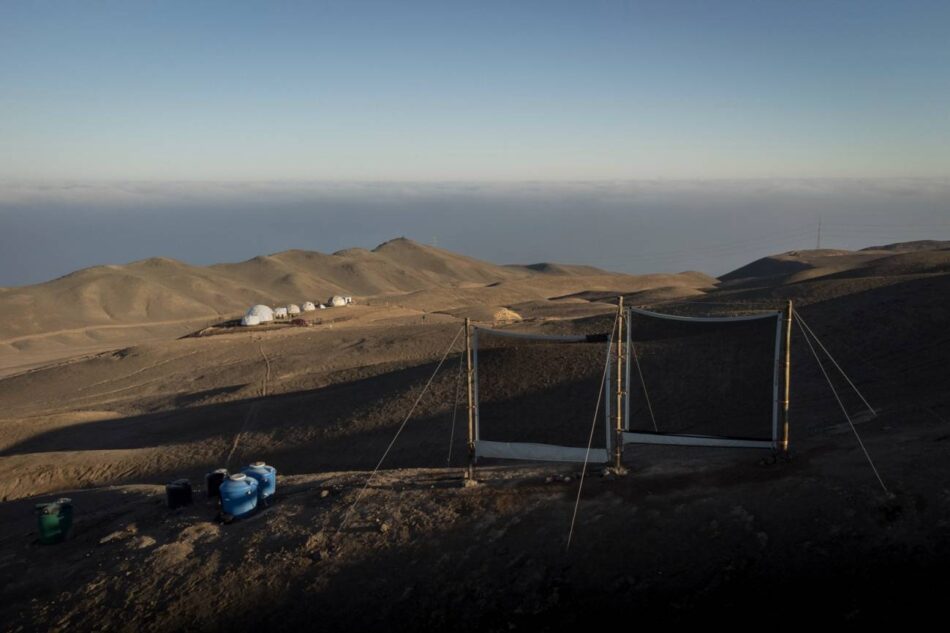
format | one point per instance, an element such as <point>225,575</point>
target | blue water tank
<point>265,475</point>
<point>238,495</point>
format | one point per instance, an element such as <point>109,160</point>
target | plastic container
<point>265,475</point>
<point>178,493</point>
<point>213,481</point>
<point>54,520</point>
<point>238,495</point>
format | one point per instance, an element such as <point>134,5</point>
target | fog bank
<point>50,229</point>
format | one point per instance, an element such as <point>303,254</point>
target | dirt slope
<point>104,306</point>
<point>691,535</point>
<point>893,259</point>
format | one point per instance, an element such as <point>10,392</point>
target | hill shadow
<point>893,342</point>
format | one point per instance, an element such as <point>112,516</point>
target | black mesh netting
<point>702,378</point>
<point>540,391</point>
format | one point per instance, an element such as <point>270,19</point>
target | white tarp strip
<point>605,394</point>
<point>475,384</point>
<point>539,452</point>
<point>527,335</point>
<point>694,440</point>
<point>776,377</point>
<point>675,317</point>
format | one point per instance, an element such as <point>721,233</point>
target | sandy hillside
<point>892,259</point>
<point>106,307</point>
<point>690,535</point>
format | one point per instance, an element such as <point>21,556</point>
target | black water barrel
<point>178,493</point>
<point>213,482</point>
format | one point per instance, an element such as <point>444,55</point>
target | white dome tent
<point>293,308</point>
<point>262,312</point>
<point>336,301</point>
<point>280,313</point>
<point>250,319</point>
<point>308,306</point>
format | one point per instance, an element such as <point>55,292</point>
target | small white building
<point>348,299</point>
<point>280,313</point>
<point>308,306</point>
<point>262,312</point>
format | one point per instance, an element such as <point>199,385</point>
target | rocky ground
<point>690,535</point>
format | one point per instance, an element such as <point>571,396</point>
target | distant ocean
<point>48,230</point>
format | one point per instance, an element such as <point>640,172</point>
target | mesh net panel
<point>702,378</point>
<point>542,391</point>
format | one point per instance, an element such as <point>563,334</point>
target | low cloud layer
<point>50,229</point>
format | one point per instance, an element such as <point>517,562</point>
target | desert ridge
<point>323,403</point>
<point>114,305</point>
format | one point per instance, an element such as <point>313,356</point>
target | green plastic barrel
<point>54,520</point>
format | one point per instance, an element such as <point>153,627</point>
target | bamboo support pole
<point>470,471</point>
<point>618,431</point>
<point>788,374</point>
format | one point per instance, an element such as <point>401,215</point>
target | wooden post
<point>788,374</point>
<point>618,431</point>
<point>470,471</point>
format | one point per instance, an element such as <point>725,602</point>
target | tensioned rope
<point>252,410</point>
<point>593,426</point>
<point>739,306</point>
<point>935,414</point>
<point>379,464</point>
<point>884,377</point>
<point>455,410</point>
<point>830,357</point>
<point>646,394</point>
<point>840,403</point>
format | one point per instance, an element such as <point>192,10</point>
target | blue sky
<point>511,91</point>
<point>636,136</point>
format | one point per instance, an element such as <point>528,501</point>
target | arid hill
<point>690,535</point>
<point>121,304</point>
<point>893,259</point>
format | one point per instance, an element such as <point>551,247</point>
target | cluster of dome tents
<point>264,314</point>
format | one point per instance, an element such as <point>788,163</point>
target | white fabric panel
<point>478,429</point>
<point>777,376</point>
<point>694,440</point>
<point>539,452</point>
<point>626,378</point>
<point>674,317</point>
<point>605,393</point>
